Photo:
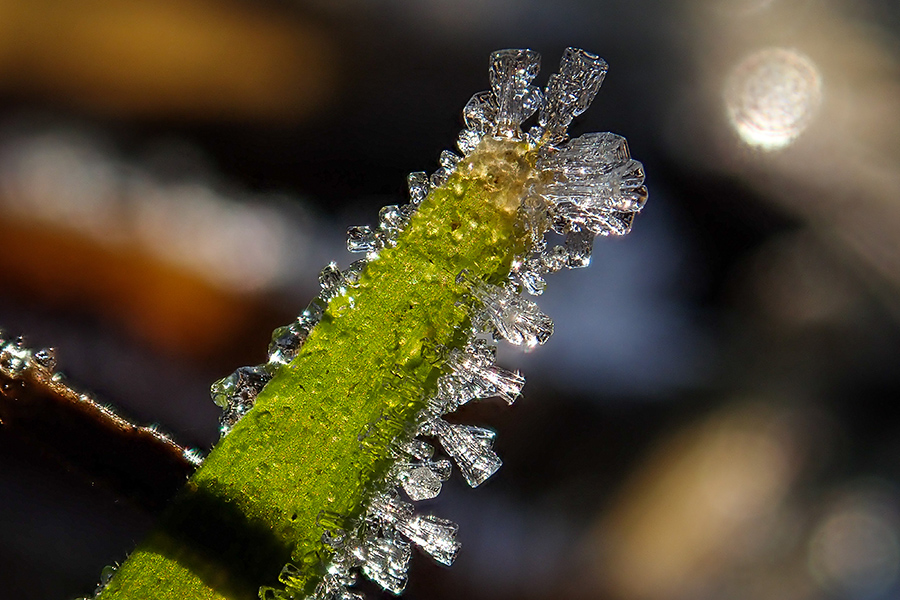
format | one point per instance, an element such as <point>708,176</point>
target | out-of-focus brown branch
<point>36,406</point>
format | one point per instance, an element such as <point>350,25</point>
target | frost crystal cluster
<point>577,189</point>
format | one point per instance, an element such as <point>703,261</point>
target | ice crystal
<point>418,186</point>
<point>46,357</point>
<point>433,535</point>
<point>14,357</point>
<point>473,375</point>
<point>422,480</point>
<point>570,92</point>
<point>237,393</point>
<point>468,446</point>
<point>286,342</point>
<point>518,320</point>
<point>511,73</point>
<point>386,562</point>
<point>597,186</point>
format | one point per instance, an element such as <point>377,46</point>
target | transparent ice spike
<point>570,92</point>
<point>433,535</point>
<point>518,320</point>
<point>511,73</point>
<point>594,182</point>
<point>469,447</point>
<point>386,562</point>
<point>418,186</point>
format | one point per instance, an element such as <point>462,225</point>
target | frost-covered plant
<point>321,444</point>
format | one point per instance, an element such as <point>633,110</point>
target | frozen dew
<point>422,480</point>
<point>469,447</point>
<point>361,238</point>
<point>467,141</point>
<point>14,358</point>
<point>390,219</point>
<point>440,177</point>
<point>771,97</point>
<point>237,393</point>
<point>353,272</point>
<point>449,160</point>
<point>511,73</point>
<point>435,536</point>
<point>332,588</point>
<point>286,342</point>
<point>594,181</point>
<point>389,510</point>
<point>418,185</point>
<point>473,375</point>
<point>193,456</point>
<point>518,320</point>
<point>480,113</point>
<point>415,448</point>
<point>46,357</point>
<point>387,562</point>
<point>331,280</point>
<point>570,92</point>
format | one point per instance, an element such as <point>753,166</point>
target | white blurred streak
<point>854,551</point>
<point>842,175</point>
<point>771,96</point>
<point>68,181</point>
<point>52,182</point>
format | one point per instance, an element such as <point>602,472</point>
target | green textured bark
<point>316,443</point>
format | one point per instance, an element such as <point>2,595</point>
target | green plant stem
<point>316,444</point>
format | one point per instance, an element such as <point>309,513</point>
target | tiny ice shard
<point>46,357</point>
<point>480,113</point>
<point>448,160</point>
<point>386,562</point>
<point>511,73</point>
<point>331,280</point>
<point>389,509</point>
<point>474,375</point>
<point>597,186</point>
<point>390,219</point>
<point>467,141</point>
<point>361,238</point>
<point>242,386</point>
<point>418,186</point>
<point>414,448</point>
<point>237,393</point>
<point>14,358</point>
<point>518,320</point>
<point>570,92</point>
<point>286,341</point>
<point>334,588</point>
<point>579,245</point>
<point>469,447</point>
<point>422,480</point>
<point>433,535</point>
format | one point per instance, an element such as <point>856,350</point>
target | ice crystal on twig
<point>578,188</point>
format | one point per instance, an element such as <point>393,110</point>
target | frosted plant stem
<point>317,440</point>
<point>302,492</point>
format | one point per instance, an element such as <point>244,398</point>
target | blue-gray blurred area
<point>714,416</point>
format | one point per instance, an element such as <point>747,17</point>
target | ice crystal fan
<point>326,447</point>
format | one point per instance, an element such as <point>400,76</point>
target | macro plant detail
<point>320,445</point>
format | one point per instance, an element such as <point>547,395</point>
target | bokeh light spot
<point>856,552</point>
<point>771,97</point>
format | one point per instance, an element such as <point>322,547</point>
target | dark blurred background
<point>714,417</point>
